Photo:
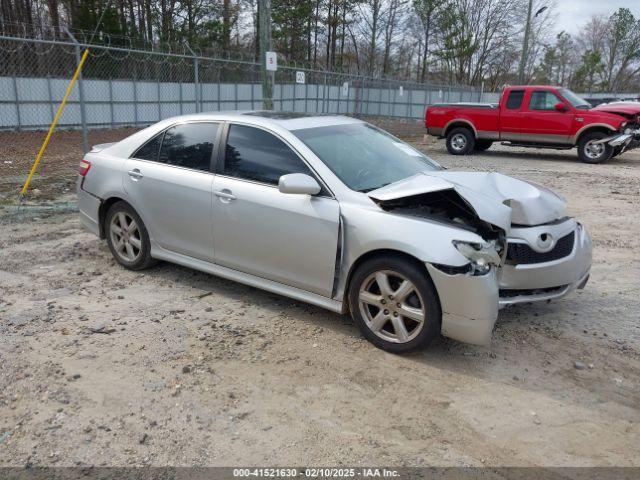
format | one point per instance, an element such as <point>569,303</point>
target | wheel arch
<point>460,123</point>
<point>382,252</point>
<point>594,127</point>
<point>105,205</point>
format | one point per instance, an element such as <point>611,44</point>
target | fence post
<point>15,96</point>
<point>113,120</point>
<point>159,104</point>
<point>195,76</point>
<point>196,83</point>
<point>83,114</point>
<point>51,108</point>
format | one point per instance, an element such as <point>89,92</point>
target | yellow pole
<point>54,123</point>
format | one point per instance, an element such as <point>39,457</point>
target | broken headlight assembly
<point>480,255</point>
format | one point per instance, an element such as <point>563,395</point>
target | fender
<point>460,120</point>
<point>574,138</point>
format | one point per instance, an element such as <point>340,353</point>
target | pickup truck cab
<point>539,117</point>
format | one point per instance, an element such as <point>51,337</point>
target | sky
<point>572,15</point>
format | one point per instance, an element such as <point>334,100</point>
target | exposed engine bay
<point>446,206</point>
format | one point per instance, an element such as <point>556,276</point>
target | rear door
<point>511,115</point>
<point>545,124</point>
<point>290,239</point>
<point>169,181</point>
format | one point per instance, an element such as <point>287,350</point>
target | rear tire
<point>482,145</point>
<point>460,141</point>
<point>588,152</point>
<point>127,237</point>
<point>395,305</point>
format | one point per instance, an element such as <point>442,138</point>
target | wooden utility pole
<point>525,44</point>
<point>264,32</point>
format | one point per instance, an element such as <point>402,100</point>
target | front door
<point>170,182</point>
<point>290,239</point>
<point>544,123</point>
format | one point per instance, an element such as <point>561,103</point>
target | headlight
<point>481,255</point>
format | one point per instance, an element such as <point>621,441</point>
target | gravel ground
<point>102,366</point>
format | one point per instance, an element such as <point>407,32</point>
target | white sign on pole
<point>401,90</point>
<point>439,93</point>
<point>345,88</point>
<point>300,77</point>
<point>272,61</point>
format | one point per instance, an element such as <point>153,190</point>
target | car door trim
<point>248,279</point>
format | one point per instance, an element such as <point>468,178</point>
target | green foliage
<point>291,27</point>
<point>590,66</point>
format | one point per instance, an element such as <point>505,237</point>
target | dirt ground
<point>103,366</point>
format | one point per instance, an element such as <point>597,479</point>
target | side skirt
<point>247,279</point>
<point>551,146</point>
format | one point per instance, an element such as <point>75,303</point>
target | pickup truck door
<point>542,122</point>
<point>511,115</point>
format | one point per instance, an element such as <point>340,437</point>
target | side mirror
<point>298,183</point>
<point>560,107</point>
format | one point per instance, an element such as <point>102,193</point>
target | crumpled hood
<point>496,198</point>
<point>619,108</point>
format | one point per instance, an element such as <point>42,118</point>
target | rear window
<point>150,150</point>
<point>514,100</point>
<point>189,145</point>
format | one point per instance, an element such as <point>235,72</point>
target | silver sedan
<point>335,212</point>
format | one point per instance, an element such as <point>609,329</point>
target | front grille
<point>521,253</point>
<point>529,292</point>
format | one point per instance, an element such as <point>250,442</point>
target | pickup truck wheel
<point>460,141</point>
<point>591,152</point>
<point>482,145</point>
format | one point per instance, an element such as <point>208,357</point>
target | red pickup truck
<point>539,117</point>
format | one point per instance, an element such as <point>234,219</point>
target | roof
<point>287,120</point>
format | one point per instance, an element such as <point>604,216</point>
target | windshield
<point>363,156</point>
<point>574,99</point>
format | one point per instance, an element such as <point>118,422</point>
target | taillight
<point>84,168</point>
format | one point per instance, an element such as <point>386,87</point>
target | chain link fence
<point>122,86</point>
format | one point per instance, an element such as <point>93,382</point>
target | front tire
<point>460,141</point>
<point>590,152</point>
<point>395,305</point>
<point>127,237</point>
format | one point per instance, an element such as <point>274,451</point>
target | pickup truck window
<point>515,99</point>
<point>543,100</point>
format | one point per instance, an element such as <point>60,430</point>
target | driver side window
<point>542,100</point>
<point>253,154</point>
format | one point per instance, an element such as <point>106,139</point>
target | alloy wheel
<point>392,306</point>
<point>458,142</point>
<point>593,150</point>
<point>125,236</point>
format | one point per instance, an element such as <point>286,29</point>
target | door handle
<point>225,195</point>
<point>135,174</point>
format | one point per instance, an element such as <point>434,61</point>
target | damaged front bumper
<point>627,140</point>
<point>470,303</point>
